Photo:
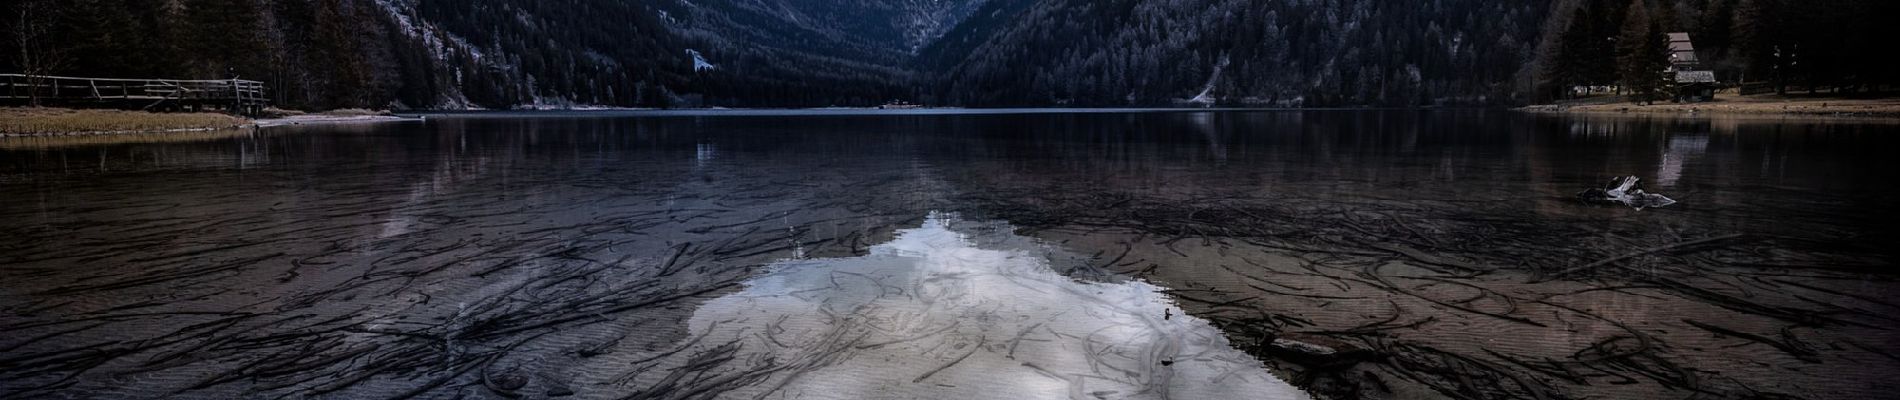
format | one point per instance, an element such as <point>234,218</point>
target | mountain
<point>457,54</point>
<point>1280,53</point>
<point>789,53</point>
<point>885,32</point>
<point>548,53</point>
<point>740,53</point>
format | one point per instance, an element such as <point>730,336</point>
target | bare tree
<point>32,28</point>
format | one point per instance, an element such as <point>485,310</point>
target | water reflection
<point>585,254</point>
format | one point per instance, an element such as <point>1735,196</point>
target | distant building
<point>1682,52</point>
<point>1693,84</point>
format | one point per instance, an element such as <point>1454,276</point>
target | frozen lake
<point>954,254</point>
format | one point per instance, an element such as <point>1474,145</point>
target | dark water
<point>1441,253</point>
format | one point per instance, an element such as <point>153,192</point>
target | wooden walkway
<point>232,95</point>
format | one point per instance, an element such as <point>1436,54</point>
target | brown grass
<point>56,121</point>
<point>41,142</point>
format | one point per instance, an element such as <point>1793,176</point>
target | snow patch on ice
<point>938,313</point>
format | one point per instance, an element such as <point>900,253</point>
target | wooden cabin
<point>1692,83</point>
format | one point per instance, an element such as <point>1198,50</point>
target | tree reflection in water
<point>538,256</point>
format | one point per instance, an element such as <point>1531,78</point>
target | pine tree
<point>223,38</point>
<point>1572,54</point>
<point>115,43</point>
<point>335,37</point>
<point>1765,39</point>
<point>1642,51</point>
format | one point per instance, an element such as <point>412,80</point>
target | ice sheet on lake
<point>934,315</point>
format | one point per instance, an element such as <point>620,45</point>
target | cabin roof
<point>1681,50</point>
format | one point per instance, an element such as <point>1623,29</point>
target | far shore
<point>46,121</point>
<point>329,119</point>
<point>1729,104</point>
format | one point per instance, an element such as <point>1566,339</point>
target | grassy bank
<point>59,121</point>
<point>54,141</point>
<point>1729,104</point>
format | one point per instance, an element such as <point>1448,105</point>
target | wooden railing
<point>230,94</point>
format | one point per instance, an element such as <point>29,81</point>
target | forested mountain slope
<point>797,53</point>
<point>494,53</point>
<point>365,53</point>
<point>1290,53</point>
<point>786,53</point>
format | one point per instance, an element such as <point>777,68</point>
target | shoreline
<point>119,132</point>
<point>45,121</point>
<point>319,119</point>
<point>1731,105</point>
<point>52,122</point>
<point>25,122</point>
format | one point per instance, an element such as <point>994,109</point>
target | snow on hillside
<point>928,20</point>
<point>439,50</point>
<point>1206,98</point>
<point>699,61</point>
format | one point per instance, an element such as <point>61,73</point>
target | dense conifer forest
<point>455,54</point>
<point>1844,44</point>
<point>1281,53</point>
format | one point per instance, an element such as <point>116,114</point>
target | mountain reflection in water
<point>591,254</point>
